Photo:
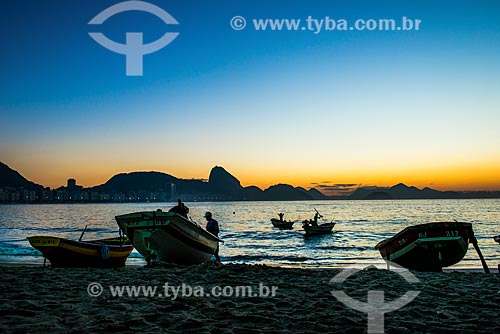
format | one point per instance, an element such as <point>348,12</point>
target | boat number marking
<point>422,235</point>
<point>46,242</point>
<point>402,241</point>
<point>452,233</point>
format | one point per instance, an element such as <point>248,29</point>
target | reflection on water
<point>248,233</point>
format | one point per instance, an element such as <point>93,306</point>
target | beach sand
<point>44,300</point>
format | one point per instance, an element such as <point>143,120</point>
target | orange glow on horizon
<point>455,178</point>
<point>463,178</point>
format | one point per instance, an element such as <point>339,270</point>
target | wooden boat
<point>429,247</point>
<point>282,224</point>
<point>166,237</point>
<point>312,228</point>
<point>497,238</point>
<point>320,229</point>
<point>72,253</point>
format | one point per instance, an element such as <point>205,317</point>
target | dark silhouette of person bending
<point>180,209</point>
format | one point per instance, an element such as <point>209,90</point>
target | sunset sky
<point>336,107</point>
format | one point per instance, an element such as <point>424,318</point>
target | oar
<point>319,214</point>
<point>81,235</point>
<point>473,240</point>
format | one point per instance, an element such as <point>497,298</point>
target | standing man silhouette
<point>213,227</point>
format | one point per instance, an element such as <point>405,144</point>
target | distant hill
<point>224,185</point>
<point>137,181</point>
<point>378,195</point>
<point>285,192</point>
<point>481,194</point>
<point>402,191</point>
<point>11,178</point>
<point>221,185</point>
<point>252,193</point>
<point>313,193</point>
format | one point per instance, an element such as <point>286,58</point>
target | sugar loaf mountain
<point>220,186</point>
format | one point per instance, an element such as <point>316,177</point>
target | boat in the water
<point>320,229</point>
<point>282,224</point>
<point>497,238</point>
<point>167,237</point>
<point>311,226</point>
<point>429,247</point>
<point>61,252</point>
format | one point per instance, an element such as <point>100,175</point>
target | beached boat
<point>72,253</point>
<point>497,238</point>
<point>320,229</point>
<point>429,247</point>
<point>166,237</point>
<point>282,224</point>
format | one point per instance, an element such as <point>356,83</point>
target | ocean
<point>249,236</point>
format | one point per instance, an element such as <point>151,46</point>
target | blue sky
<point>271,106</point>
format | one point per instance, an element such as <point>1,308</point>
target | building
<point>71,184</point>
<point>28,196</point>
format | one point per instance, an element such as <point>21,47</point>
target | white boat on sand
<point>167,237</point>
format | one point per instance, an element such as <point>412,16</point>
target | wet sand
<point>44,300</point>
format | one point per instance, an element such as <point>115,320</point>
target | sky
<point>328,109</point>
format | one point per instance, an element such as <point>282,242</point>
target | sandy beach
<point>42,300</point>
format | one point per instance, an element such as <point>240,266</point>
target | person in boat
<point>213,227</point>
<point>314,222</point>
<point>180,209</point>
<point>281,214</point>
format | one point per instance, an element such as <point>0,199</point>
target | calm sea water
<point>248,233</point>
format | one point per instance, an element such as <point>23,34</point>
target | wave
<point>258,235</point>
<point>357,248</point>
<point>268,257</point>
<point>19,251</point>
<point>58,229</point>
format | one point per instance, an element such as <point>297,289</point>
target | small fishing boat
<point>62,252</point>
<point>312,228</point>
<point>282,224</point>
<point>431,246</point>
<point>168,238</point>
<point>320,229</point>
<point>497,238</point>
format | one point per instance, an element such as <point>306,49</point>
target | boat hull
<point>167,237</point>
<point>282,224</point>
<point>428,247</point>
<point>65,253</point>
<point>497,238</point>
<point>318,230</point>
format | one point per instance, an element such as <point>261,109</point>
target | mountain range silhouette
<point>223,186</point>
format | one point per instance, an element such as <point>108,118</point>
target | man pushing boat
<point>213,227</point>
